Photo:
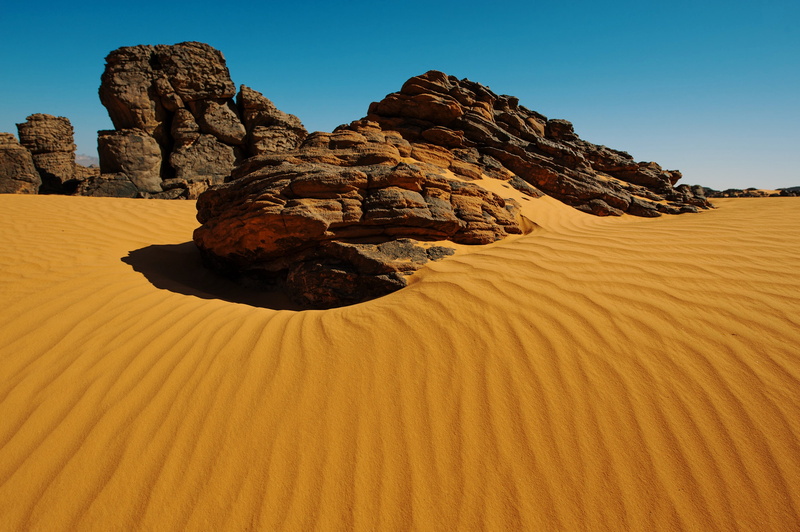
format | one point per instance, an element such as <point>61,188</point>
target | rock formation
<point>50,141</point>
<point>745,193</point>
<point>475,130</point>
<point>332,220</point>
<point>18,175</point>
<point>342,217</point>
<point>177,127</point>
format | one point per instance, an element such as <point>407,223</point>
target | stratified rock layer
<point>472,129</point>
<point>182,97</point>
<point>324,220</point>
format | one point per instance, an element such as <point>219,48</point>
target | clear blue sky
<point>710,88</point>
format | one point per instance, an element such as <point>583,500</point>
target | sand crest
<point>595,374</point>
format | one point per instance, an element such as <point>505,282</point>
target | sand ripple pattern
<point>596,374</point>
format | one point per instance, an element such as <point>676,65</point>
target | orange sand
<point>596,374</point>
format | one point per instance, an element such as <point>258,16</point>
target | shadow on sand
<point>178,268</point>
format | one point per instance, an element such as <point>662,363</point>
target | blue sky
<point>712,89</point>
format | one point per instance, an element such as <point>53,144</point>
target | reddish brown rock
<point>318,219</point>
<point>18,175</point>
<point>300,218</point>
<point>482,131</point>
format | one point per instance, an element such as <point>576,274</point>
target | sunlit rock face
<point>341,218</point>
<point>174,111</point>
<point>471,129</point>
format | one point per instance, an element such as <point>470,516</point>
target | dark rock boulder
<point>18,174</point>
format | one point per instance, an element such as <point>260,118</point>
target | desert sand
<point>594,374</point>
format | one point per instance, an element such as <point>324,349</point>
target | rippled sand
<point>595,374</point>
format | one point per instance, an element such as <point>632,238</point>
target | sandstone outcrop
<point>50,141</point>
<point>178,129</point>
<point>338,220</point>
<point>18,175</point>
<point>485,132</point>
<point>343,216</point>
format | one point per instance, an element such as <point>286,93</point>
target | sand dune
<point>595,374</point>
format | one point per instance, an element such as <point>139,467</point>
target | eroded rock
<point>477,130</point>
<point>18,174</point>
<point>50,141</point>
<point>182,96</point>
<point>324,221</point>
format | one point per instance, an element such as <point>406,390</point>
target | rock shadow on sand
<point>179,269</point>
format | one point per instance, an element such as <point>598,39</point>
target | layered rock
<point>182,97</point>
<point>478,131</point>
<point>341,218</point>
<point>50,141</point>
<point>18,174</point>
<point>338,220</point>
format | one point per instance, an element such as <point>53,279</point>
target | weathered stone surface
<point>349,273</point>
<point>128,92</point>
<point>269,129</point>
<point>133,153</point>
<point>108,185</point>
<point>301,218</point>
<point>218,118</point>
<point>50,141</point>
<point>477,129</point>
<point>194,70</point>
<point>206,158</point>
<point>182,96</point>
<point>18,175</point>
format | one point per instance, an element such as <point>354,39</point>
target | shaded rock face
<point>18,175</point>
<point>50,141</point>
<point>339,220</point>
<point>182,98</point>
<point>484,132</point>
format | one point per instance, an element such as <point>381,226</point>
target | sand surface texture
<point>595,374</point>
